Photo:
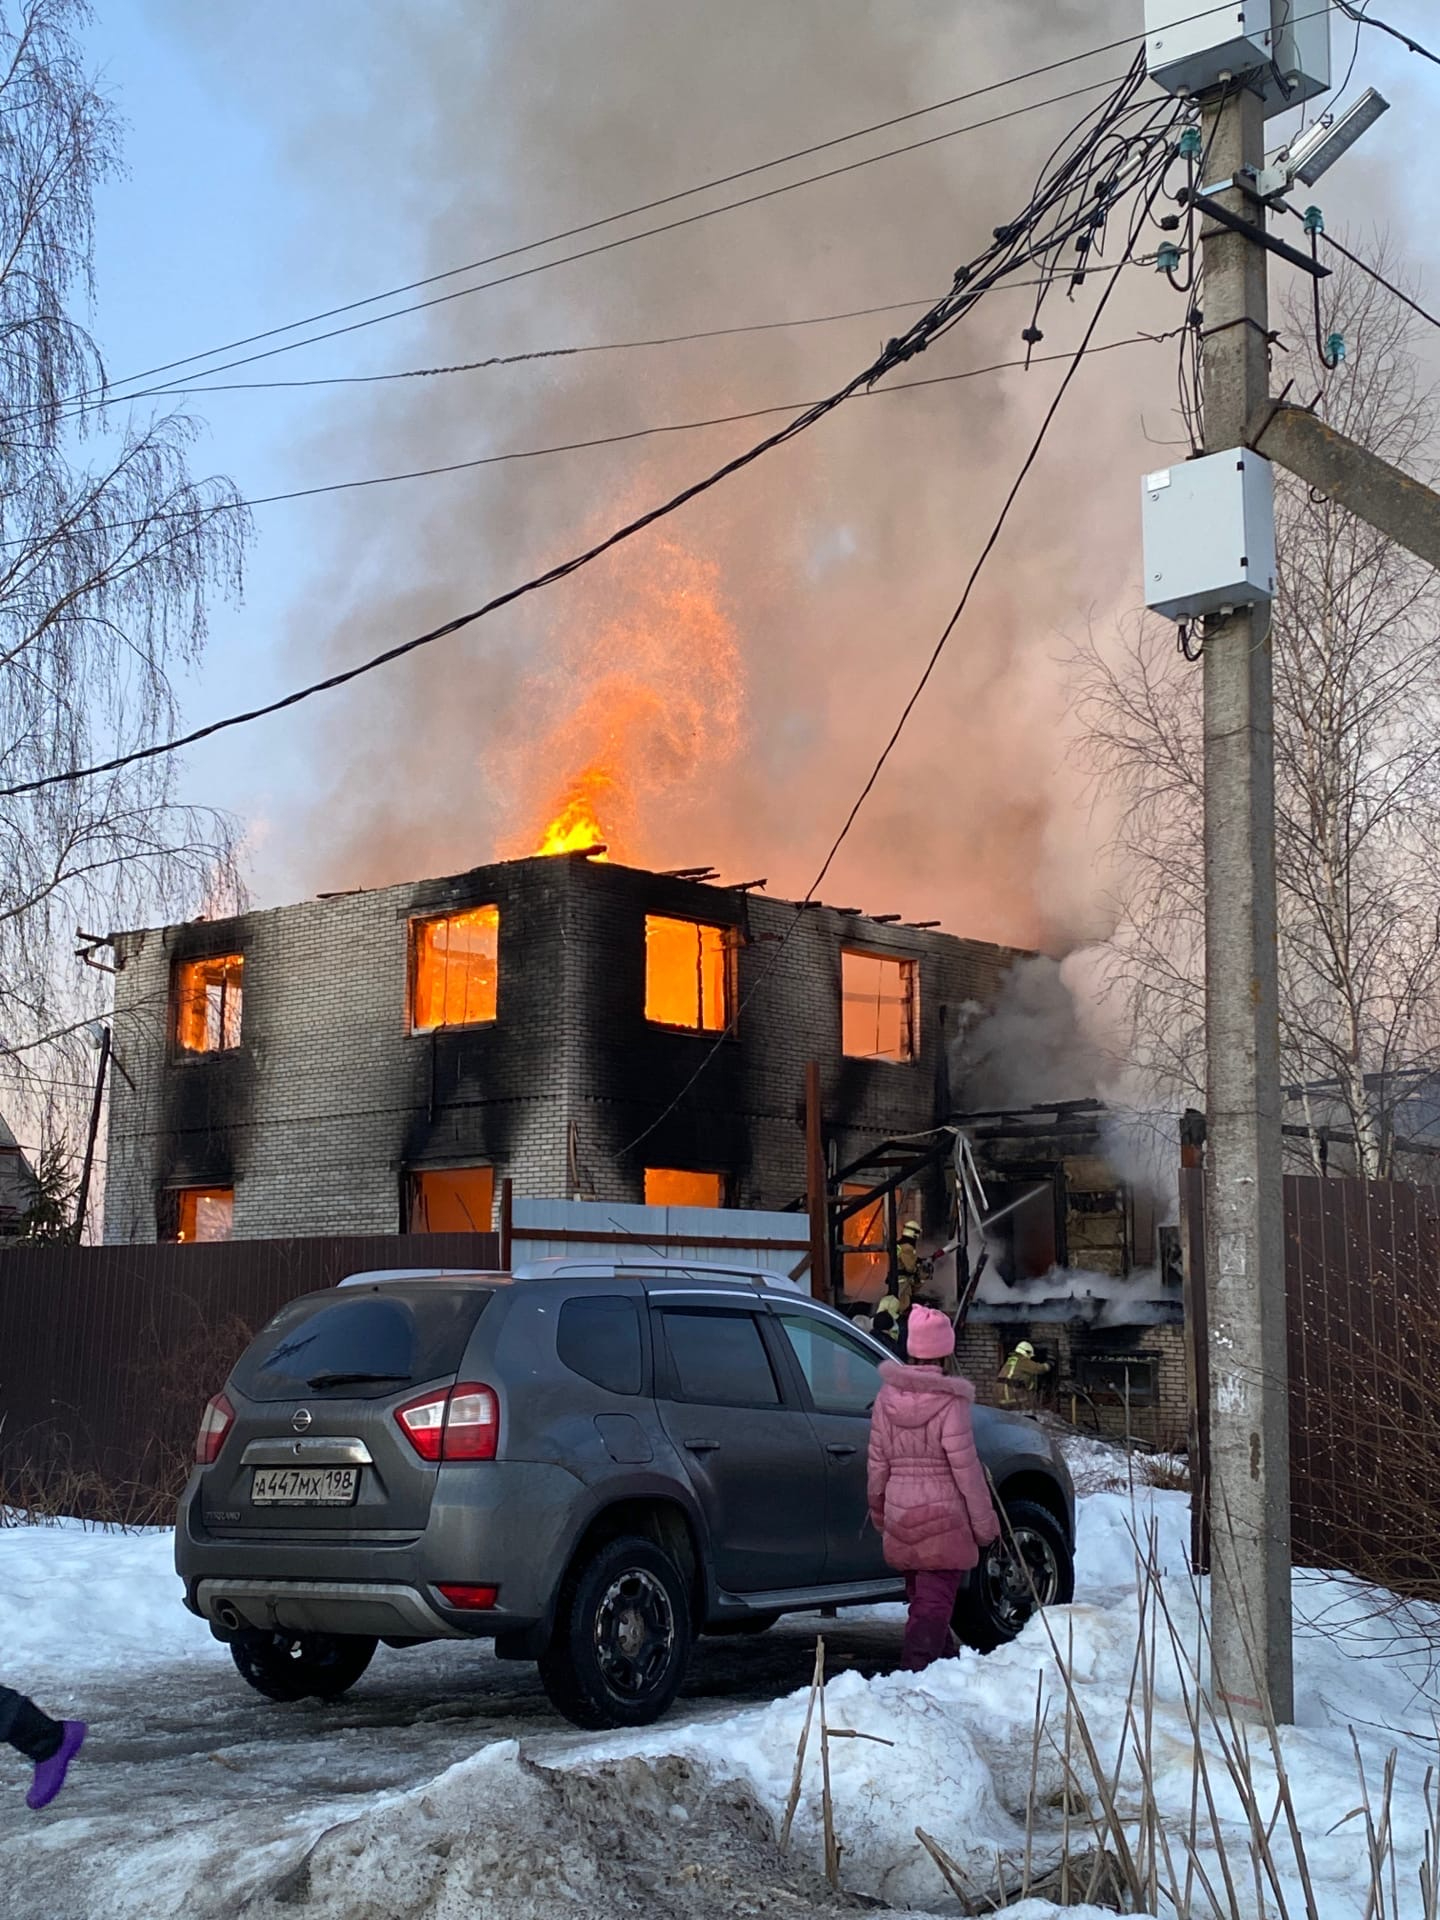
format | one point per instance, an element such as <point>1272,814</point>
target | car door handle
<point>702,1446</point>
<point>840,1449</point>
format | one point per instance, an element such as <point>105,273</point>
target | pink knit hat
<point>930,1335</point>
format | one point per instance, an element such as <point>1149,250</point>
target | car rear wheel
<point>622,1637</point>
<point>1031,1563</point>
<point>301,1666</point>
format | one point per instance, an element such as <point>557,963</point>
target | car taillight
<point>457,1423</point>
<point>473,1599</point>
<point>215,1423</point>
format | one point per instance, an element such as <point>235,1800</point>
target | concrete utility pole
<point>1249,1488</point>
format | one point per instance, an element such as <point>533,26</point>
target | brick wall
<point>330,1098</point>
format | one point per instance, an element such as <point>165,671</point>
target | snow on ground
<point>416,1801</point>
<point>80,1600</point>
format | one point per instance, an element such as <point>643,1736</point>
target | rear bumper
<point>325,1606</point>
<point>506,1525</point>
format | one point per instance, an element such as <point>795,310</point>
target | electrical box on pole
<point>1281,47</point>
<point>1209,535</point>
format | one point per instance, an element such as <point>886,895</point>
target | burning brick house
<point>378,1061</point>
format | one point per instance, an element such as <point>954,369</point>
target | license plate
<point>305,1486</point>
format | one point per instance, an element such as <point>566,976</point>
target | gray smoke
<point>1034,1045</point>
<point>828,570</point>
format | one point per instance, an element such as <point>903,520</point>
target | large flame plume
<point>645,700</point>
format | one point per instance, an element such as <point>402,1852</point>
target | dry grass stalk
<point>794,1801</point>
<point>951,1871</point>
<point>827,1804</point>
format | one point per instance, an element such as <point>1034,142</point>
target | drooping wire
<point>651,205</point>
<point>96,396</point>
<point>1362,19</point>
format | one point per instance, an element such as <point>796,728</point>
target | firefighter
<point>1021,1375</point>
<point>887,1321</point>
<point>912,1272</point>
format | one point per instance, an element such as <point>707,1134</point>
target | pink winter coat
<point>928,1494</point>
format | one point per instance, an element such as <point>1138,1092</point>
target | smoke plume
<point>740,666</point>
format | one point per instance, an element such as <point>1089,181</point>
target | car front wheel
<point>301,1666</point>
<point>1030,1565</point>
<point>622,1637</point>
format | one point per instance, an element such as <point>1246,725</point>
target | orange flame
<point>578,825</point>
<point>646,696</point>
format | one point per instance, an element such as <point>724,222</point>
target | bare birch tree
<point>1356,641</point>
<point>108,549</point>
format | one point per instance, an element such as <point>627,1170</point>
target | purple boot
<point>50,1774</point>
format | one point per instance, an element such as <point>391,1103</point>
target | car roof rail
<point>375,1275</point>
<point>659,1269</point>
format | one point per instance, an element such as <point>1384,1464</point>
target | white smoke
<point>1125,1302</point>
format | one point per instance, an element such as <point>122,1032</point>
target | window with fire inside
<point>208,1000</point>
<point>879,1006</point>
<point>689,968</point>
<point>455,969</point>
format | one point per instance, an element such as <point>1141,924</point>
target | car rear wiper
<point>352,1379</point>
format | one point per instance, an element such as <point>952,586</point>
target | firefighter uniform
<point>1021,1375</point>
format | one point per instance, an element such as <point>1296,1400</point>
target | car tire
<point>999,1598</point>
<point>301,1666</point>
<point>622,1637</point>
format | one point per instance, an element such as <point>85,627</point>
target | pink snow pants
<point>931,1598</point>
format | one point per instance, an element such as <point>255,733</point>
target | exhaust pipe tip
<point>228,1617</point>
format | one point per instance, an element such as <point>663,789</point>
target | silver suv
<point>588,1463</point>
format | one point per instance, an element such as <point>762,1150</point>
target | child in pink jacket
<point>929,1498</point>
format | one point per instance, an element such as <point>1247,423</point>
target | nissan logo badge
<point>302,1419</point>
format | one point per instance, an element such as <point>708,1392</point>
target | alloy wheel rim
<point>1019,1573</point>
<point>634,1632</point>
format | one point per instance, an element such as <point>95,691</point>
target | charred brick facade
<point>330,1101</point>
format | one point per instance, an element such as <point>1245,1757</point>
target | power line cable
<point>934,660</point>
<point>644,233</point>
<point>1074,180</point>
<point>563,352</point>
<point>599,440</point>
<point>1361,19</point>
<point>663,200</point>
<point>1375,274</point>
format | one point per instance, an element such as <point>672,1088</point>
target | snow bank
<point>957,1758</point>
<point>681,1814</point>
<point>81,1600</point>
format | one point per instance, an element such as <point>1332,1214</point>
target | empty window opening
<point>456,969</point>
<point>1133,1379</point>
<point>452,1200</point>
<point>208,995</point>
<point>204,1213</point>
<point>878,997</point>
<point>687,974</point>
<point>676,1187</point>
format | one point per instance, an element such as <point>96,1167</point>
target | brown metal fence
<point>107,1354</point>
<point>1362,1280</point>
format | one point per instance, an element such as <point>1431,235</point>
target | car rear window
<point>600,1340</point>
<point>361,1345</point>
